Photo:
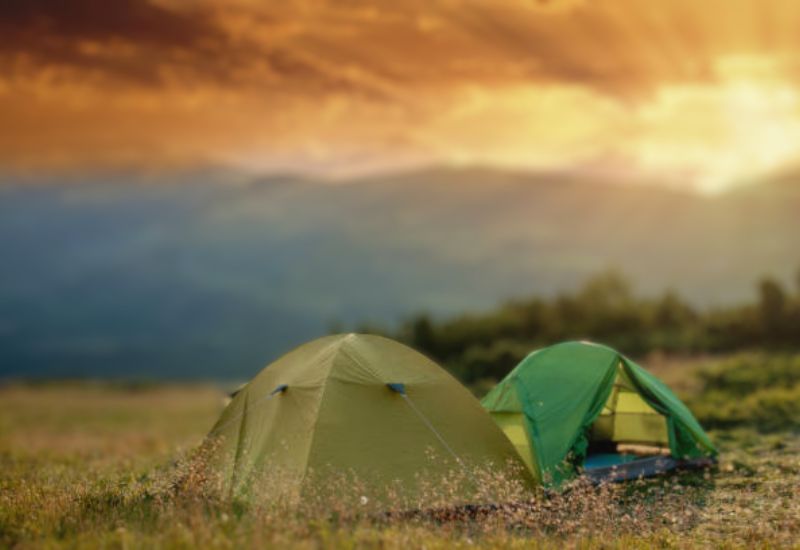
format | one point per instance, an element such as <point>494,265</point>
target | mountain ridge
<point>203,279</point>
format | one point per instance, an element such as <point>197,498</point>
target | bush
<point>756,390</point>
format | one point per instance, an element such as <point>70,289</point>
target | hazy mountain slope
<point>210,278</point>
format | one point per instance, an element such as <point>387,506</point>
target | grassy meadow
<point>86,465</point>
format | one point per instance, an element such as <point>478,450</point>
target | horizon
<point>238,176</point>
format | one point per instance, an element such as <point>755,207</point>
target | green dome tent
<point>356,404</point>
<point>563,402</point>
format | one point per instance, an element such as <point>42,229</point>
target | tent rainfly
<point>579,406</point>
<point>356,404</point>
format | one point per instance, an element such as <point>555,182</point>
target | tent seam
<point>333,347</point>
<point>356,357</point>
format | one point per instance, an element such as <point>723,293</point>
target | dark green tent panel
<point>560,400</point>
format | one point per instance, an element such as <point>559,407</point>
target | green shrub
<point>756,390</point>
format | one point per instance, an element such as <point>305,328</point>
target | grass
<point>86,465</point>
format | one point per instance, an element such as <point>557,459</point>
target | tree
<point>797,281</point>
<point>772,306</point>
<point>672,313</point>
<point>423,336</point>
<point>607,290</point>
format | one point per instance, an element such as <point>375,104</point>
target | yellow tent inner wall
<point>627,418</point>
<point>513,425</point>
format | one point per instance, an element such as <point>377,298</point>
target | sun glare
<point>743,125</point>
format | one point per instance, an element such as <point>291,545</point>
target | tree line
<point>486,346</point>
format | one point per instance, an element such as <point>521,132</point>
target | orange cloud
<point>682,89</point>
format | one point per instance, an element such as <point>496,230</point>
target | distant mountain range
<point>213,275</point>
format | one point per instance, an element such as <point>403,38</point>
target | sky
<point>702,94</point>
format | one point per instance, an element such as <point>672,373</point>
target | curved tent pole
<point>401,390</point>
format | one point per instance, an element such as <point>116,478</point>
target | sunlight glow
<point>698,95</point>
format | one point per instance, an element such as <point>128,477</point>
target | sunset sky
<point>696,93</point>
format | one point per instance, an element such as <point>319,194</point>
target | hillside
<point>215,274</point>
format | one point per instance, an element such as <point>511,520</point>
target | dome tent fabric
<point>359,404</point>
<point>561,398</point>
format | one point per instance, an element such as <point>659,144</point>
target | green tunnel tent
<point>362,405</point>
<point>579,406</point>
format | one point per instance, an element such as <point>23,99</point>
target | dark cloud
<point>23,23</point>
<point>127,39</point>
<point>365,47</point>
<point>619,47</point>
<point>140,42</point>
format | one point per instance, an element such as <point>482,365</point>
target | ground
<point>93,464</point>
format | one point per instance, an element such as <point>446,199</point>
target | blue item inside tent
<point>607,460</point>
